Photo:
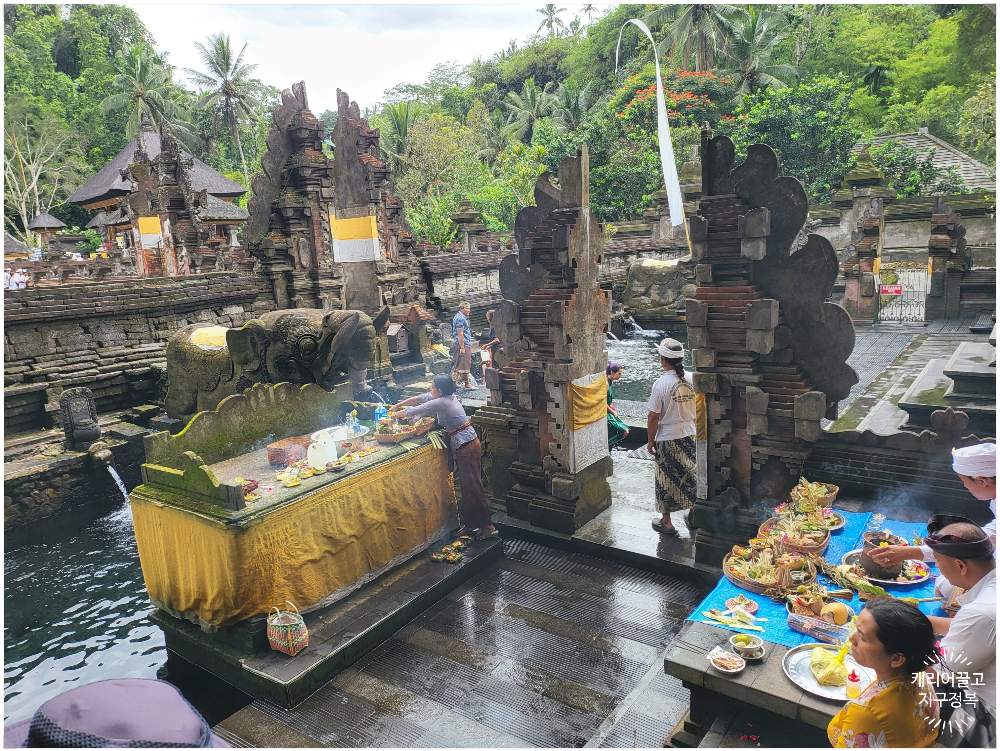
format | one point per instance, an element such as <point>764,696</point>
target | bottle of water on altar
<point>380,412</point>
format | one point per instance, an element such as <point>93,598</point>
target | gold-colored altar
<point>206,559</point>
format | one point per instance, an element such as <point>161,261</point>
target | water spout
<point>637,326</point>
<point>611,334</point>
<point>118,481</point>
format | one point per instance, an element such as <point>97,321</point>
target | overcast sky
<point>362,49</point>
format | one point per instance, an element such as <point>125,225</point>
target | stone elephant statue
<point>205,364</point>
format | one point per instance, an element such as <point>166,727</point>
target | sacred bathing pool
<point>153,399</point>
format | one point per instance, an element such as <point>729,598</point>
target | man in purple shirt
<point>464,444</point>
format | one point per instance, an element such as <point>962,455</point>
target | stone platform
<point>339,635</point>
<point>542,648</point>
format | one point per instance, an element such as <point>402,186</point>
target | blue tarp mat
<point>849,538</point>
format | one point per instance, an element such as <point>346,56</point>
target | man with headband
<point>976,466</point>
<point>965,556</point>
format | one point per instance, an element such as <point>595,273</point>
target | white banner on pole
<point>670,181</point>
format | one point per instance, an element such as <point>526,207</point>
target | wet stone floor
<point>545,648</point>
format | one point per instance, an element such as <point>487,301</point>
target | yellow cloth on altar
<point>587,404</point>
<point>216,573</point>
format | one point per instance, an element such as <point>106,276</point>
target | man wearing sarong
<point>670,426</point>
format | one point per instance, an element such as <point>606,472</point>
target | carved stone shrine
<point>770,353</point>
<point>539,459</point>
<point>78,414</point>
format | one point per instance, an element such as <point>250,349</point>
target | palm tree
<point>228,88</point>
<point>507,53</point>
<point>145,89</point>
<point>875,77</point>
<point>704,24</point>
<point>395,124</point>
<point>530,106</point>
<point>572,106</point>
<point>497,132</point>
<point>753,41</point>
<point>588,10</point>
<point>575,28</point>
<point>550,18</point>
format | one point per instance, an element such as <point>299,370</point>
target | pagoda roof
<point>108,183</point>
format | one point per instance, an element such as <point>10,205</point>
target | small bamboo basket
<point>767,526</point>
<point>286,631</point>
<point>756,587</point>
<point>407,433</point>
<point>825,501</point>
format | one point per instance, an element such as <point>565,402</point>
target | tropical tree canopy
<point>145,89</point>
<point>706,26</point>
<point>754,37</point>
<point>528,107</point>
<point>228,90</point>
<point>395,123</point>
<point>812,81</point>
<point>550,18</point>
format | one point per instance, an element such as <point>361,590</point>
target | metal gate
<point>902,291</point>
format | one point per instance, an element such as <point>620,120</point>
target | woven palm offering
<point>800,535</point>
<point>766,571</point>
<point>815,493</point>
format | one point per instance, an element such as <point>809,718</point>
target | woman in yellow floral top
<point>896,641</point>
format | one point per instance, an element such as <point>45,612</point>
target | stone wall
<point>620,254</point>
<point>108,337</point>
<point>455,277</point>
<point>908,226</point>
<point>39,487</point>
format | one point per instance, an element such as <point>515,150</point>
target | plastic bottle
<point>380,412</point>
<point>853,685</point>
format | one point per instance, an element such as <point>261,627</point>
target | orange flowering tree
<point>691,98</point>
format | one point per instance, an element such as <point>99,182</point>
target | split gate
<point>903,291</point>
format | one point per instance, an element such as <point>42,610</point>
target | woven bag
<point>286,631</point>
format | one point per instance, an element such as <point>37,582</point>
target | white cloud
<point>362,49</point>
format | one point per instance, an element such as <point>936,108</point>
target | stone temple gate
<point>769,351</point>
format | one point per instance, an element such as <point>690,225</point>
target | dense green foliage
<point>78,79</point>
<point>810,80</point>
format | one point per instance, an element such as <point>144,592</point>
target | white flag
<point>670,181</point>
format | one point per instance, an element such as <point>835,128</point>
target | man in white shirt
<point>6,278</point>
<point>976,466</point>
<point>670,431</point>
<point>965,556</point>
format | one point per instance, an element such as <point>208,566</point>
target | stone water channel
<point>75,603</point>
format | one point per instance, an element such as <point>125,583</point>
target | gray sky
<point>362,49</point>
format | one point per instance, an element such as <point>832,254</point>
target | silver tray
<point>843,522</point>
<point>795,663</point>
<point>853,556</point>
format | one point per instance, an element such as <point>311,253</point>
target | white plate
<point>853,556</point>
<point>796,666</point>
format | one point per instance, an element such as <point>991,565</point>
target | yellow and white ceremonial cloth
<point>355,240</point>
<point>150,232</point>
<point>701,444</point>
<point>588,420</point>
